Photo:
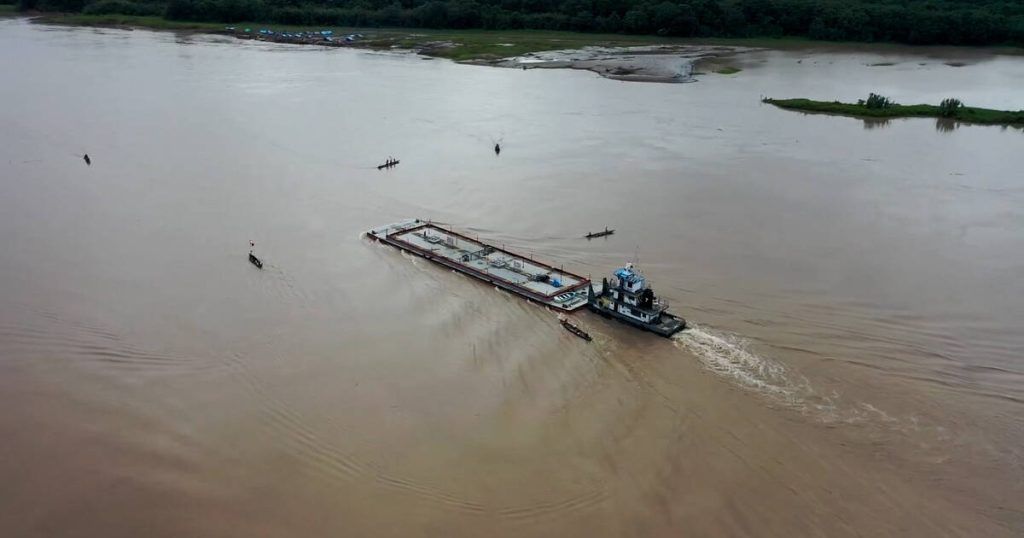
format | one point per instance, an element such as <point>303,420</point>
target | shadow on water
<point>946,125</point>
<point>875,123</point>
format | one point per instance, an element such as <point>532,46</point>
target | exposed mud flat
<point>660,63</point>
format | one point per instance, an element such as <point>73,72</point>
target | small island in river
<point>877,106</point>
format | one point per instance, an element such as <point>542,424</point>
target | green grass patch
<point>492,44</point>
<point>132,21</point>
<point>965,114</point>
<point>465,44</point>
<point>469,45</point>
<point>728,70</point>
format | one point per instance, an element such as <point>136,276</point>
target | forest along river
<point>856,287</point>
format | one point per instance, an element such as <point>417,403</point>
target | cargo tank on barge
<point>512,272</point>
<point>627,297</point>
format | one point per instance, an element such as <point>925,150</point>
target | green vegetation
<point>7,9</point>
<point>950,108</point>
<point>465,44</point>
<point>956,22</point>
<point>875,102</point>
<point>155,22</point>
<point>485,44</point>
<point>728,70</point>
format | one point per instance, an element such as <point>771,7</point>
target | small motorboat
<point>591,235</point>
<point>569,326</point>
<point>255,261</point>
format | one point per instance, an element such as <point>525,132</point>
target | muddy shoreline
<point>660,63</point>
<point>653,63</point>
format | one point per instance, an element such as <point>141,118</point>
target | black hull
<point>659,329</point>
<point>576,330</point>
<point>256,261</point>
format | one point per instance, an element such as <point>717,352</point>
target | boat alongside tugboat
<point>573,328</point>
<point>627,297</point>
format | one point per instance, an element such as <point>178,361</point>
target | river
<point>856,291</point>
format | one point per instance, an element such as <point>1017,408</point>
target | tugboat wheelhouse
<point>628,298</point>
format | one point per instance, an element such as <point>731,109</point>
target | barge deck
<point>513,272</point>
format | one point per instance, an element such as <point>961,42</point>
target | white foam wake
<point>729,355</point>
<point>412,258</point>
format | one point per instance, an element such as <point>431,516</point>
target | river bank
<point>462,44</point>
<point>616,56</point>
<point>637,58</point>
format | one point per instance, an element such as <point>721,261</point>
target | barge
<point>518,274</point>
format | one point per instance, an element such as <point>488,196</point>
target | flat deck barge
<point>516,273</point>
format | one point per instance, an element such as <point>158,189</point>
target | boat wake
<point>729,355</point>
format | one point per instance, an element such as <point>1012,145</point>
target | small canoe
<point>255,261</point>
<point>568,325</point>
<point>591,235</point>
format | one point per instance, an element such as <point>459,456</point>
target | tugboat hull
<point>668,325</point>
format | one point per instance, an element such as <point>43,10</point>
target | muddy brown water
<point>857,289</point>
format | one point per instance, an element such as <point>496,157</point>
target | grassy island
<point>877,106</point>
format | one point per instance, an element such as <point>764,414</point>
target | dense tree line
<point>958,22</point>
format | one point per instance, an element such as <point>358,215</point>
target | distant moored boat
<point>591,235</point>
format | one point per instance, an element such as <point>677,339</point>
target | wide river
<point>856,291</point>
